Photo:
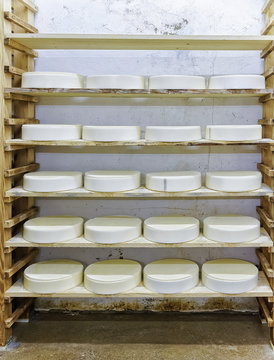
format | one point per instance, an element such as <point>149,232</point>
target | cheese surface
<point>111,133</point>
<point>172,181</point>
<point>115,82</point>
<point>233,132</point>
<point>173,133</point>
<point>176,82</point>
<point>237,82</point>
<point>45,79</point>
<point>51,132</point>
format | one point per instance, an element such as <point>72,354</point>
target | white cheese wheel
<point>111,133</point>
<point>171,276</point>
<point>47,181</point>
<point>237,82</point>
<point>233,132</point>
<point>173,181</point>
<point>112,181</point>
<point>116,82</point>
<point>176,82</point>
<point>53,276</point>
<point>115,276</point>
<point>171,229</point>
<point>45,79</point>
<point>113,229</point>
<point>229,276</point>
<point>173,133</point>
<point>53,229</point>
<point>231,228</point>
<point>234,181</point>
<point>51,132</point>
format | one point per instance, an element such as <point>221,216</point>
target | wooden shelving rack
<point>19,40</point>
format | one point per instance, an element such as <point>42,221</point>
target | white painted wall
<point>150,17</point>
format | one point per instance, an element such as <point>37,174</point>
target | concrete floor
<point>148,336</point>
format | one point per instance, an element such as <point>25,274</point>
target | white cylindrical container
<point>173,133</point>
<point>112,181</point>
<point>176,82</point>
<point>171,276</point>
<point>113,229</point>
<point>171,229</point>
<point>116,82</point>
<point>47,181</point>
<point>53,276</point>
<point>172,181</point>
<point>234,181</point>
<point>231,228</point>
<point>233,132</point>
<point>46,79</point>
<point>53,229</point>
<point>111,133</point>
<point>237,82</point>
<point>229,276</point>
<point>115,276</point>
<point>49,132</point>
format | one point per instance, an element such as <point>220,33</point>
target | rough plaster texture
<point>150,17</point>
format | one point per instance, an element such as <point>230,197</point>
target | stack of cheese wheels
<point>173,181</point>
<point>51,132</point>
<point>237,82</point>
<point>229,276</point>
<point>231,228</point>
<point>113,229</point>
<point>233,132</point>
<point>112,276</point>
<point>53,229</point>
<point>116,82</point>
<point>173,133</point>
<point>53,276</point>
<point>112,181</point>
<point>234,181</point>
<point>44,79</point>
<point>176,82</point>
<point>171,276</point>
<point>171,229</point>
<point>47,181</point>
<point>111,133</point>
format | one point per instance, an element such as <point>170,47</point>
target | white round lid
<point>171,174</point>
<point>171,222</point>
<point>44,175</point>
<point>113,223</point>
<point>56,222</point>
<point>229,221</point>
<point>234,173</point>
<point>111,173</point>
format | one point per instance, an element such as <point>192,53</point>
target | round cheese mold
<point>111,133</point>
<point>53,229</point>
<point>231,228</point>
<point>229,276</point>
<point>115,276</point>
<point>112,181</point>
<point>51,132</point>
<point>234,181</point>
<point>116,82</point>
<point>237,82</point>
<point>53,276</point>
<point>113,229</point>
<point>47,181</point>
<point>176,82</point>
<point>171,276</point>
<point>173,133</point>
<point>233,132</point>
<point>171,229</point>
<point>173,181</point>
<point>45,79</point>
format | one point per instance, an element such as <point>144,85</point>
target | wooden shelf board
<point>141,192</point>
<point>263,241</point>
<point>140,42</point>
<point>262,290</point>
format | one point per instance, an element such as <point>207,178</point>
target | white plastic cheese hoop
<point>173,133</point>
<point>116,82</point>
<point>237,82</point>
<point>45,79</point>
<point>233,132</point>
<point>173,181</point>
<point>47,132</point>
<point>111,133</point>
<point>176,82</point>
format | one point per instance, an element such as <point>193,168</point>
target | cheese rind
<point>171,276</point>
<point>176,82</point>
<point>113,229</point>
<point>231,228</point>
<point>233,132</point>
<point>236,82</point>
<point>173,181</point>
<point>171,229</point>
<point>49,132</point>
<point>234,181</point>
<point>45,79</point>
<point>112,276</point>
<point>111,133</point>
<point>53,229</point>
<point>116,82</point>
<point>173,133</point>
<point>48,181</point>
<point>229,276</point>
<point>53,276</point>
